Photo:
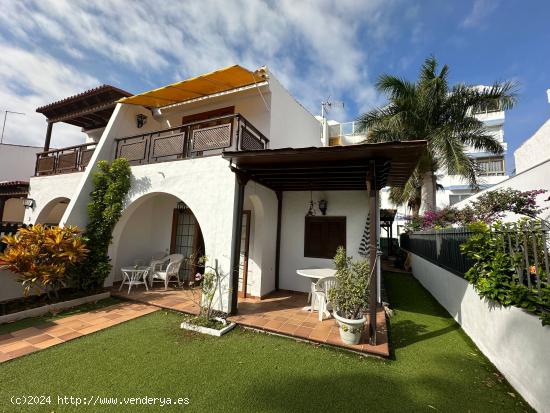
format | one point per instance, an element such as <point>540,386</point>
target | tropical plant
<point>350,294</point>
<point>499,272</point>
<point>444,116</point>
<point>111,184</point>
<point>44,257</point>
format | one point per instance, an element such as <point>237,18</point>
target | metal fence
<point>442,247</point>
<point>527,245</point>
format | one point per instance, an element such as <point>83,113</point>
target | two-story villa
<point>227,164</point>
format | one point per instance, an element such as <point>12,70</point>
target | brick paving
<point>31,339</point>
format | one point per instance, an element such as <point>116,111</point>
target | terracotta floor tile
<point>26,332</point>
<point>273,324</point>
<point>70,336</point>
<point>21,351</point>
<point>309,324</point>
<point>49,343</point>
<point>38,338</point>
<point>303,331</point>
<point>16,345</point>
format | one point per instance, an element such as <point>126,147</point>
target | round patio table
<point>136,275</point>
<point>314,275</point>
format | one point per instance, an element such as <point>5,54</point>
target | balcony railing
<point>196,139</point>
<point>70,159</point>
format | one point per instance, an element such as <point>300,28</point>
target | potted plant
<point>349,297</point>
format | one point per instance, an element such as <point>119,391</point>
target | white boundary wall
<point>514,340</point>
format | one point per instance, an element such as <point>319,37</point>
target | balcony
<point>192,140</point>
<point>347,133</point>
<point>65,160</point>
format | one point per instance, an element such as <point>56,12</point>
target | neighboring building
<point>17,164</point>
<point>534,150</point>
<point>454,188</point>
<point>226,164</point>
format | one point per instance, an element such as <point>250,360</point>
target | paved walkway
<point>31,339</point>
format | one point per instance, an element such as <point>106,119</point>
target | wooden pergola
<point>89,110</point>
<point>369,166</point>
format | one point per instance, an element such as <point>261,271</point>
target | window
<point>323,235</point>
<point>490,166</point>
<point>453,199</point>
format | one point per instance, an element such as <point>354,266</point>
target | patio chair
<point>159,273</point>
<point>322,287</point>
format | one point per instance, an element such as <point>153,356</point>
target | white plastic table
<point>134,276</point>
<point>314,274</point>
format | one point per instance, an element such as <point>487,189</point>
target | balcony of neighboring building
<point>91,111</point>
<point>347,133</point>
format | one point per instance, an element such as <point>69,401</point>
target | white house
<point>227,164</point>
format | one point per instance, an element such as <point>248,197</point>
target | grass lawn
<point>435,367</point>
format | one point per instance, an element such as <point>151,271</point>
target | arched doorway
<point>155,225</point>
<point>53,211</point>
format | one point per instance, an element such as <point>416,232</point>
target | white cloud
<point>29,79</point>
<point>315,47</point>
<point>480,11</point>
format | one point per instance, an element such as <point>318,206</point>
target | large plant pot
<point>350,330</point>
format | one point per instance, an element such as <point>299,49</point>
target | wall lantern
<point>323,204</point>
<point>311,210</point>
<point>141,120</point>
<point>28,202</point>
<point>181,206</point>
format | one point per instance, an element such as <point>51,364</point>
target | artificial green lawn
<point>435,367</point>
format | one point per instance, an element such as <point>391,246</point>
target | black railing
<point>69,159</point>
<point>441,247</point>
<point>8,228</point>
<point>191,140</point>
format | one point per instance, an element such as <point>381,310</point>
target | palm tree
<point>444,116</point>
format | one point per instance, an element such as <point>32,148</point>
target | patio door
<point>243,257</point>
<point>187,240</point>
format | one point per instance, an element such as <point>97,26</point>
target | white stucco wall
<point>10,288</point>
<point>262,202</point>
<point>351,204</point>
<point>514,340</point>
<point>534,150</point>
<point>292,126</point>
<point>17,162</point>
<point>48,190</point>
<point>206,185</point>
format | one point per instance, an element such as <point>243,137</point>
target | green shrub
<point>111,185</point>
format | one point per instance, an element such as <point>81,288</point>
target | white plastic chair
<point>322,287</point>
<point>172,270</point>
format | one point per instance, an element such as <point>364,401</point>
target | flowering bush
<point>44,257</point>
<point>488,208</point>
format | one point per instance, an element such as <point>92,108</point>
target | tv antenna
<point>328,104</point>
<point>4,125</point>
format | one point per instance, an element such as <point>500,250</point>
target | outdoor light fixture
<point>28,202</point>
<point>141,120</point>
<point>323,204</point>
<point>311,210</point>
<point>181,206</point>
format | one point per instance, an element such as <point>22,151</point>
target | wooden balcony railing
<point>70,159</point>
<point>196,139</point>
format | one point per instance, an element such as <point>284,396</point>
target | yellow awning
<point>221,80</point>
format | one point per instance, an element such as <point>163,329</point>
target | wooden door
<point>243,257</point>
<point>187,240</point>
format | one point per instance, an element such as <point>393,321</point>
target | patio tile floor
<point>31,339</point>
<point>281,313</point>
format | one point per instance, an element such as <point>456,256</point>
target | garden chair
<point>159,273</point>
<point>320,295</point>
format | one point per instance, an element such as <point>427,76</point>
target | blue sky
<point>317,48</point>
